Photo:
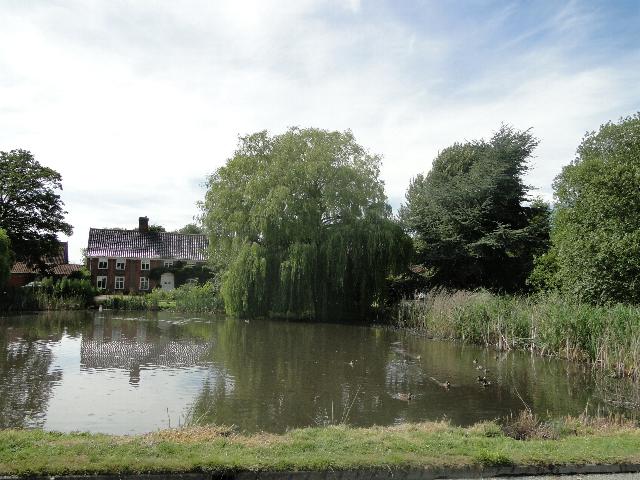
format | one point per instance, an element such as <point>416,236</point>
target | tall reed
<point>548,324</point>
<point>35,299</point>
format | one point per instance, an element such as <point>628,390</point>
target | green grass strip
<point>215,449</point>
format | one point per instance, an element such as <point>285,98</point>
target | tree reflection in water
<point>290,374</point>
<point>26,377</point>
<point>268,375</point>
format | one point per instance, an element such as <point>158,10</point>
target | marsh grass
<point>422,445</point>
<point>526,425</point>
<point>607,337</point>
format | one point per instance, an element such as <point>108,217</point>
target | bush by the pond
<point>129,302</point>
<point>198,298</point>
<point>548,324</point>
<point>69,288</point>
<point>65,294</point>
<point>186,298</point>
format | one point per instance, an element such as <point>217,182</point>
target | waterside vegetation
<point>190,297</point>
<point>548,324</point>
<point>49,294</point>
<point>524,440</point>
<point>300,227</point>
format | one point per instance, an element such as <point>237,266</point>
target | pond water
<point>131,373</point>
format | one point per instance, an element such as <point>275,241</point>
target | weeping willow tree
<point>300,226</point>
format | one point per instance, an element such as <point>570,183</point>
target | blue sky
<point>135,103</point>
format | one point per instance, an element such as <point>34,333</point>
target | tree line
<point>300,226</point>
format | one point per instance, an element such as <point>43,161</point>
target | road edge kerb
<point>362,474</point>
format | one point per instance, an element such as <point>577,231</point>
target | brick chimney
<point>143,224</point>
<point>65,251</point>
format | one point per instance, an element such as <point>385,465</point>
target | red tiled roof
<point>59,259</point>
<point>64,269</point>
<point>104,242</point>
<point>21,267</point>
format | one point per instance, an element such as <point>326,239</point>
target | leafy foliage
<point>5,257</point>
<point>189,297</point>
<point>82,274</point>
<point>544,277</point>
<point>69,288</point>
<point>596,232</point>
<point>191,229</point>
<point>49,294</point>
<point>300,226</point>
<point>198,298</point>
<point>469,215</point>
<point>30,209</point>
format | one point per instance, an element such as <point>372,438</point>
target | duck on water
<point>446,385</point>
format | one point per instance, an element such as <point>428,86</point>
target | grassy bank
<point>218,449</point>
<point>605,336</point>
<point>186,298</point>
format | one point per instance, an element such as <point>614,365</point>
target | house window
<point>119,283</point>
<point>145,264</point>
<point>120,263</point>
<point>144,283</point>
<point>101,282</point>
<point>168,263</point>
<point>102,263</point>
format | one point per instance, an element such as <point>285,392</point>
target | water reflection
<point>26,376</point>
<point>132,345</point>
<point>127,374</point>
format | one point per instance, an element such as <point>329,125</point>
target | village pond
<point>126,373</point>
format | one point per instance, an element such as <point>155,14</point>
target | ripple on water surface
<point>123,374</point>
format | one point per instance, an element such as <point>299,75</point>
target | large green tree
<point>6,259</point>
<point>300,226</point>
<point>31,211</point>
<point>471,217</point>
<point>596,228</point>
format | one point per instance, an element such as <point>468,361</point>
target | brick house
<point>59,267</point>
<point>121,261</point>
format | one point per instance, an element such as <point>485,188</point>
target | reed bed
<point>606,336</point>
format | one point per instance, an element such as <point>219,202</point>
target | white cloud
<point>133,101</point>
